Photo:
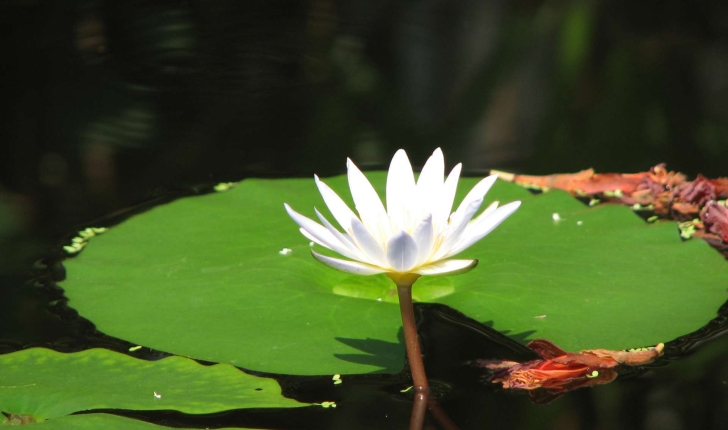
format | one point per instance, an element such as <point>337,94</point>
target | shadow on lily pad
<point>379,353</point>
<point>522,337</point>
<point>385,355</point>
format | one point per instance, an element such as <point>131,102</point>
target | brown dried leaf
<point>667,194</point>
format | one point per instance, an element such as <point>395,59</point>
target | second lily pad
<point>45,384</point>
<point>96,421</point>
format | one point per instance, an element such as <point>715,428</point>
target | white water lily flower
<point>416,234</point>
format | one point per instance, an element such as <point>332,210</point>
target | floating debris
<point>224,186</point>
<point>80,241</point>
<point>135,348</point>
<point>639,207</point>
<point>687,228</point>
<point>157,395</point>
<point>74,248</point>
<point>285,251</point>
<point>617,194</point>
<point>558,372</point>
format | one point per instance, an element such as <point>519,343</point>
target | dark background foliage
<point>109,100</point>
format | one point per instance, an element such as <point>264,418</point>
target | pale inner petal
<point>402,252</point>
<point>424,237</point>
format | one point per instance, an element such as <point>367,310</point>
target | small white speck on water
<point>311,244</point>
<point>285,251</point>
<point>556,217</point>
<point>157,395</point>
<point>579,223</point>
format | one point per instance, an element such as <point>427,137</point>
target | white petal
<point>429,186</point>
<point>478,191</point>
<point>484,226</point>
<point>345,239</point>
<point>367,243</point>
<point>353,267</point>
<point>424,237</point>
<point>458,223</point>
<point>485,214</point>
<point>336,205</point>
<point>310,237</point>
<point>444,206</point>
<point>367,202</point>
<point>318,233</point>
<point>447,267</point>
<point>313,239</point>
<point>433,172</point>
<point>400,189</point>
<point>402,252</point>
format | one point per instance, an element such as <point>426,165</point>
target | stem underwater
<point>414,355</point>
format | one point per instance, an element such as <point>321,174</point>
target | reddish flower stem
<point>414,355</point>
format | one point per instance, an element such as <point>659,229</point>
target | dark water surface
<point>112,105</point>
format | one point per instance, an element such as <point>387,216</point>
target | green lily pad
<point>204,277</point>
<point>95,422</point>
<point>47,384</point>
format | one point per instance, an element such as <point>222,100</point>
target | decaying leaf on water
<point>558,372</point>
<point>669,195</point>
